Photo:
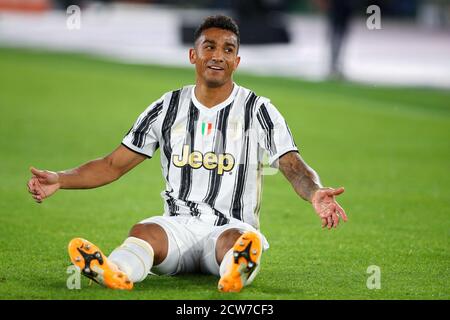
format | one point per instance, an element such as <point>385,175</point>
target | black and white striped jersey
<point>212,158</point>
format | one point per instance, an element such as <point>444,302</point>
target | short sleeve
<point>274,135</point>
<point>143,136</point>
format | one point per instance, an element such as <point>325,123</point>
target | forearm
<point>305,183</point>
<point>303,178</point>
<point>92,174</point>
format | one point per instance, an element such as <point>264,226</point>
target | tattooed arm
<point>306,183</point>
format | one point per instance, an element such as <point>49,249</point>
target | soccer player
<point>212,136</point>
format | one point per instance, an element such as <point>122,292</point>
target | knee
<point>155,236</point>
<point>225,242</point>
<point>142,231</point>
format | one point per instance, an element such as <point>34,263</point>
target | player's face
<point>215,56</point>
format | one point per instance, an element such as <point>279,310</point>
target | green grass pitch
<point>389,147</point>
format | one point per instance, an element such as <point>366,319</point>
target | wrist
<point>314,193</point>
<point>59,179</point>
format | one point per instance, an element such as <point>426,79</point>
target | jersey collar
<point>217,107</point>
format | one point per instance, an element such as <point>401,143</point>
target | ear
<point>192,56</point>
<point>236,62</point>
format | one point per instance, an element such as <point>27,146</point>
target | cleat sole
<point>94,265</point>
<point>243,263</point>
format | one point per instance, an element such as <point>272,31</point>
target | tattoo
<point>303,178</point>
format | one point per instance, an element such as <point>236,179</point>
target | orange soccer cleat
<point>245,264</point>
<point>95,265</point>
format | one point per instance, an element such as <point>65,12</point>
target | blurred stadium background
<point>284,37</point>
<point>370,110</point>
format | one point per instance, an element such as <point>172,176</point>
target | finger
<point>42,180</point>
<point>341,212</point>
<point>324,222</point>
<point>41,191</point>
<point>335,220</point>
<point>38,199</point>
<point>337,191</point>
<point>330,222</point>
<point>30,186</point>
<point>37,188</point>
<point>38,173</point>
<point>34,186</point>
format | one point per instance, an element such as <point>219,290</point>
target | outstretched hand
<point>327,208</point>
<point>42,184</point>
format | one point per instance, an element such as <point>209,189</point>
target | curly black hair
<point>218,21</point>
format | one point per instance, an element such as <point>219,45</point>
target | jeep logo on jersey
<point>224,162</point>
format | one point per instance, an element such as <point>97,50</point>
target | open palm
<point>327,208</point>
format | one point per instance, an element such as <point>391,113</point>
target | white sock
<point>226,261</point>
<point>134,257</point>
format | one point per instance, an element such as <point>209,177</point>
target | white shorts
<point>192,243</point>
